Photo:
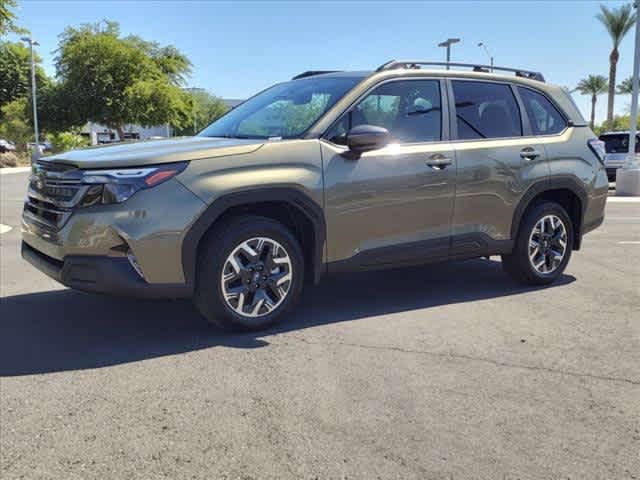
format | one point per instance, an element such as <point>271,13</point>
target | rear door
<point>497,159</point>
<point>392,205</point>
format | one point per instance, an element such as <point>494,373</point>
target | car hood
<point>135,154</point>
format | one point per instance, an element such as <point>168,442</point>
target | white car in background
<point>616,146</point>
<point>6,146</point>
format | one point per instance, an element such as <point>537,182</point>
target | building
<point>231,102</point>
<point>99,134</point>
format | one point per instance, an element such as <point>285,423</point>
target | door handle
<point>437,161</point>
<point>529,153</point>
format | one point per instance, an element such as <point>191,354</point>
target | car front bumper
<point>100,274</point>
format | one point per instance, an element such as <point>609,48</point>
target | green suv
<point>328,172</point>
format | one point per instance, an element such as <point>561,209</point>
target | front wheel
<point>543,246</point>
<point>250,274</point>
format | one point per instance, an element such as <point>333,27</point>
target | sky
<point>239,48</point>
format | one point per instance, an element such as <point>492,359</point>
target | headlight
<point>116,186</point>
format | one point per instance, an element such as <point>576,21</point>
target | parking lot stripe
<point>614,199</point>
<point>5,228</point>
<point>628,243</point>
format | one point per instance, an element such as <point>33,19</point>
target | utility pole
<point>193,90</point>
<point>628,177</point>
<point>483,45</point>
<point>447,44</point>
<point>31,42</point>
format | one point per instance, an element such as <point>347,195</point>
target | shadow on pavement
<point>66,330</point>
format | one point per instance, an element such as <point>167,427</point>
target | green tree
<point>593,85</point>
<point>15,72</point>
<point>7,17</point>
<point>617,22</point>
<point>14,125</point>
<point>620,123</point>
<point>115,81</point>
<point>625,87</point>
<point>205,108</point>
<point>63,141</point>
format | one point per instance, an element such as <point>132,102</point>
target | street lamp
<point>31,42</point>
<point>486,49</point>
<point>193,90</point>
<point>447,44</point>
<point>628,177</point>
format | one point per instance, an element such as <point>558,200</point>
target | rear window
<point>618,143</point>
<point>544,117</point>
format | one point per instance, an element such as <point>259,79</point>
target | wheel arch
<point>565,191</point>
<point>287,205</point>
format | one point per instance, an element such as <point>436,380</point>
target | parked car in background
<point>328,172</point>
<point>616,145</point>
<point>6,146</point>
<point>42,146</point>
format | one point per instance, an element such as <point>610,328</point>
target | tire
<point>519,264</point>
<point>232,281</point>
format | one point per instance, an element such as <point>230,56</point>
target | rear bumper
<point>100,274</point>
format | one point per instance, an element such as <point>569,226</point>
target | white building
<point>99,134</point>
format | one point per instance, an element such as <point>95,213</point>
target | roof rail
<point>476,67</point>
<point>311,73</point>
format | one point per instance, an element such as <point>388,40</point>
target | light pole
<point>193,90</point>
<point>628,177</point>
<point>31,43</point>
<point>486,49</point>
<point>447,44</point>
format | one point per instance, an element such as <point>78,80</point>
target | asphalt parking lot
<point>439,372</point>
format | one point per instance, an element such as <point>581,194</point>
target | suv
<point>616,145</point>
<point>328,172</point>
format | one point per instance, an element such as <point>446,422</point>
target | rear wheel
<point>250,275</point>
<point>543,246</point>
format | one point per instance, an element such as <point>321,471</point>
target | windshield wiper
<point>240,137</point>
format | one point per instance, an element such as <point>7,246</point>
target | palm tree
<point>618,22</point>
<point>626,87</point>
<point>593,85</point>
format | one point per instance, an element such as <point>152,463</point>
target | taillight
<point>597,147</point>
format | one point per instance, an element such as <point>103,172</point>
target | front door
<point>392,205</point>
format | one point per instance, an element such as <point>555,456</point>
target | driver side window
<point>410,110</point>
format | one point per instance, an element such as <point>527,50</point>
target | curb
<point>8,170</point>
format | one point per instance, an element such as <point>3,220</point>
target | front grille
<point>54,189</point>
<point>53,166</point>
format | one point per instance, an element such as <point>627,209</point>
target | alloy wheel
<point>547,244</point>
<point>256,277</point>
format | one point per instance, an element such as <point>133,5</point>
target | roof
<point>620,132</point>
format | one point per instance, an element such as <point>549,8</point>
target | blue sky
<point>241,47</point>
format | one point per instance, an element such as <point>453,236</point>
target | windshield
<point>286,110</point>
<point>618,143</point>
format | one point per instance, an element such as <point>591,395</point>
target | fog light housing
<point>134,263</point>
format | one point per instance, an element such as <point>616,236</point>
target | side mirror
<point>365,138</point>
